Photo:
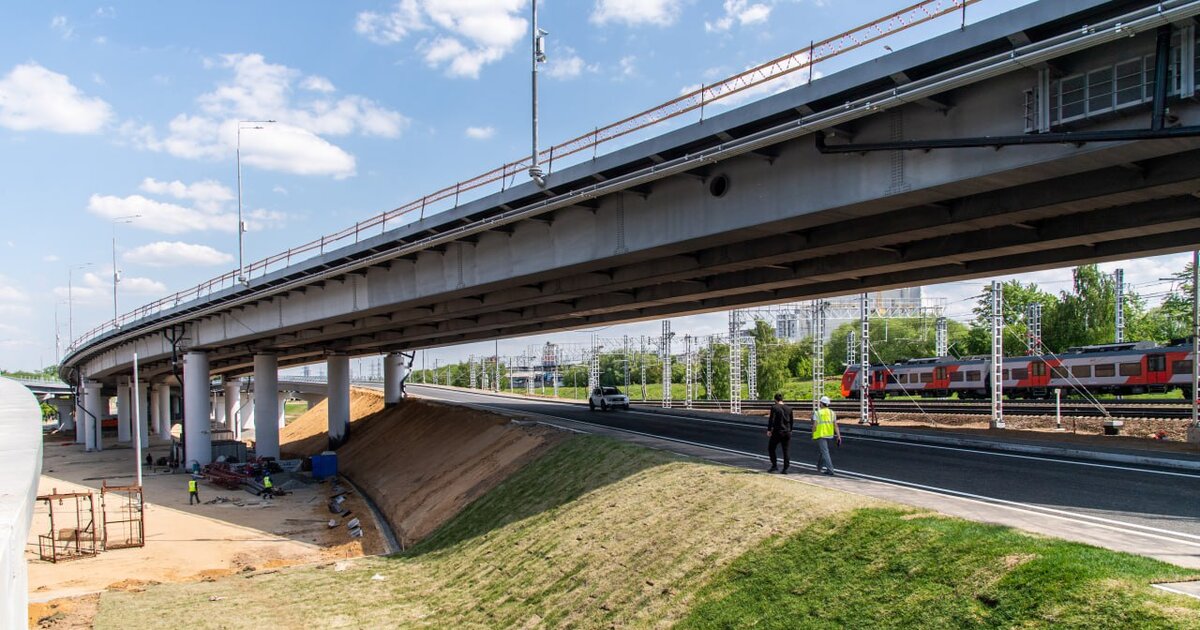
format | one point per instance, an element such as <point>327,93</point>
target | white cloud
<point>94,288</point>
<point>391,27</point>
<point>176,254</point>
<point>628,65</point>
<point>100,40</point>
<point>480,133</point>
<point>34,98</point>
<point>13,300</point>
<point>636,12</point>
<point>774,86</point>
<point>317,84</point>
<point>279,190</point>
<point>50,258</point>
<point>567,64</point>
<point>742,12</point>
<point>209,194</point>
<point>106,12</point>
<point>471,33</point>
<point>61,25</point>
<point>260,90</point>
<point>159,216</point>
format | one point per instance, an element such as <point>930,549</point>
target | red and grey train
<point>1115,368</point>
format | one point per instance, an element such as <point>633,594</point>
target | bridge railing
<point>805,58</point>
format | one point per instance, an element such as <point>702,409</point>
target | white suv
<point>607,398</point>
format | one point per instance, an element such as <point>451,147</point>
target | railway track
<point>1125,411</point>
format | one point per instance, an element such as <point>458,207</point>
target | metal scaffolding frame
<point>593,366</point>
<point>851,348</point>
<point>997,355</point>
<point>625,351</point>
<point>474,375</point>
<point>735,361</point>
<point>125,526</point>
<point>942,338</point>
<point>642,363</point>
<point>69,543</point>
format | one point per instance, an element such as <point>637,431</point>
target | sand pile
<point>309,434</point>
<point>423,462</point>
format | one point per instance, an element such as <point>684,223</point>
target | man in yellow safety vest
<point>825,429</point>
<point>193,491</point>
<point>267,485</point>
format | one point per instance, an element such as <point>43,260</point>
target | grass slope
<point>594,533</point>
<point>886,568</point>
<point>598,533</point>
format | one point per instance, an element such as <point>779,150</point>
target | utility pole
<point>851,348</point>
<point>539,56</point>
<point>735,362</point>
<point>116,271</point>
<point>1120,323</point>
<point>1195,355</point>
<point>818,353</point>
<point>665,347</point>
<point>688,376</point>
<point>752,369</point>
<point>708,393</point>
<point>997,355</point>
<point>942,342</point>
<point>864,390</point>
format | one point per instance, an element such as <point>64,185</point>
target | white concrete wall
<point>20,467</point>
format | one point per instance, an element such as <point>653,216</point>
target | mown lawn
<point>885,568</point>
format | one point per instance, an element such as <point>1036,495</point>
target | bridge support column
<point>93,406</point>
<point>80,397</point>
<point>282,410</point>
<point>164,408</point>
<point>338,402</point>
<point>156,410</point>
<point>266,405</point>
<point>393,372</point>
<point>196,427</point>
<point>219,410</point>
<point>312,399</point>
<point>233,406</point>
<point>65,409</point>
<point>123,409</point>
<point>143,412</point>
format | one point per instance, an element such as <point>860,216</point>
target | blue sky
<point>117,108</point>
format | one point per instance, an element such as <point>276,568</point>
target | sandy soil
<point>422,462</point>
<point>309,434</point>
<point>183,543</point>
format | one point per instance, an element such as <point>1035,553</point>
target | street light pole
<point>241,226</point>
<point>538,42</point>
<point>117,272</point>
<point>71,303</point>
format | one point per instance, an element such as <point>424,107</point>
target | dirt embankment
<point>422,462</point>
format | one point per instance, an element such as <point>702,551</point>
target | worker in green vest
<point>193,491</point>
<point>267,485</point>
<point>824,430</point>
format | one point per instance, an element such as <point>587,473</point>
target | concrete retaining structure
<point>20,467</point>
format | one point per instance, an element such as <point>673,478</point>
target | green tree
<point>1017,298</point>
<point>772,372</point>
<point>1086,315</point>
<point>893,340</point>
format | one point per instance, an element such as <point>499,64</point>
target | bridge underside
<point>1140,207</point>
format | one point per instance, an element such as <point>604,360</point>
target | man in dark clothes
<point>779,432</point>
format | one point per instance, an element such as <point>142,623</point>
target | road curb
<point>1178,463</point>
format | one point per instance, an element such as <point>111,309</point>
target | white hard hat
<point>824,400</point>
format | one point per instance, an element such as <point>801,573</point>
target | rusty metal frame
<point>78,544</point>
<point>129,518</point>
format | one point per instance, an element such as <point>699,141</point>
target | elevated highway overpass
<point>1064,151</point>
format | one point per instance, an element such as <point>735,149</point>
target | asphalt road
<point>1153,503</point>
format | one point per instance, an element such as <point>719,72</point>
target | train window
<point>1059,371</point>
<point>902,377</point>
<point>1105,369</point>
<point>956,377</point>
<point>1181,367</point>
<point>1020,373</point>
<point>939,374</point>
<point>1156,363</point>
<point>1039,368</point>
<point>891,377</point>
<point>1131,369</point>
<point>974,375</point>
<point>1081,371</point>
<point>926,377</point>
<point>1005,375</point>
